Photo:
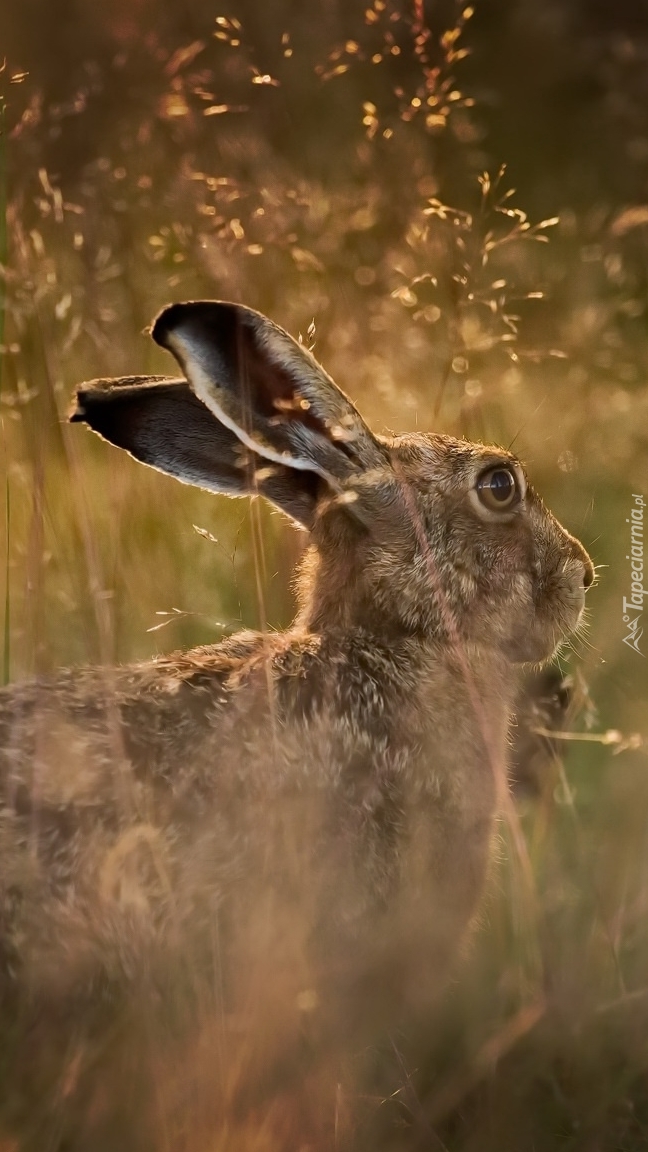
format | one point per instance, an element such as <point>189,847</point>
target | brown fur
<point>288,834</point>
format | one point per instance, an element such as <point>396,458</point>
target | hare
<point>298,821</point>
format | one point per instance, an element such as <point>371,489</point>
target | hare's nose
<point>582,572</point>
<point>588,570</point>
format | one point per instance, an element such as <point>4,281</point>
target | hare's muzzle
<point>564,572</point>
<point>588,571</point>
<point>579,576</point>
<point>583,569</point>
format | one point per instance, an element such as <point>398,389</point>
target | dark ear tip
<point>78,413</point>
<point>166,321</point>
<point>217,316</point>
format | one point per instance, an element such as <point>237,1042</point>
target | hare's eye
<point>497,489</point>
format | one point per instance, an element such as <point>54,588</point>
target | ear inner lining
<point>268,389</point>
<point>160,422</point>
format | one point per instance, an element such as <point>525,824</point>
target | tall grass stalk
<point>189,170</point>
<point>6,638</point>
<point>6,631</point>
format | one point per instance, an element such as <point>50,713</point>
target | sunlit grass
<point>541,1044</point>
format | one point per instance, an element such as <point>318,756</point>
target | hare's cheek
<point>530,632</point>
<point>537,636</point>
<point>520,607</point>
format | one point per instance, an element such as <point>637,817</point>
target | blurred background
<point>449,202</point>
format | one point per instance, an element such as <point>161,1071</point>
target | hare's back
<point>67,738</point>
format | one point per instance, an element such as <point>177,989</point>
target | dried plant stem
<point>6,639</point>
<point>3,209</point>
<point>6,643</point>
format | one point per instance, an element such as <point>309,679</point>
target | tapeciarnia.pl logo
<point>633,605</point>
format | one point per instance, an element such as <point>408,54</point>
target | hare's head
<point>419,533</point>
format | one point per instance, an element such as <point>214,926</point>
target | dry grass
<point>429,316</point>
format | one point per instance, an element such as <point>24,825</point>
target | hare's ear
<point>269,390</point>
<point>160,422</point>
